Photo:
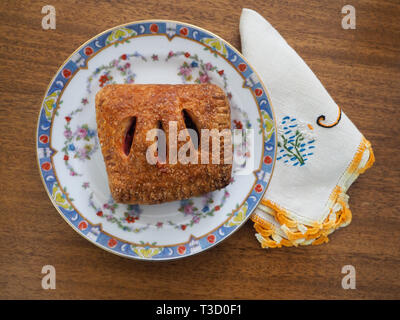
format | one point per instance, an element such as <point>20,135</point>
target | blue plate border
<point>79,60</point>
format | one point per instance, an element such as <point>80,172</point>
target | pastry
<point>126,112</point>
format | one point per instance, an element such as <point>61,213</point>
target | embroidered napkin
<point>320,152</point>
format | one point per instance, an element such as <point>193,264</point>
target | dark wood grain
<point>361,70</point>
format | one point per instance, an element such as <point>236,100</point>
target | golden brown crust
<point>131,178</point>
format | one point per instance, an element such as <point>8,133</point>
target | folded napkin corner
<point>320,152</point>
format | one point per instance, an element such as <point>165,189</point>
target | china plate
<point>71,162</point>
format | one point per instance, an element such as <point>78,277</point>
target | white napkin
<point>320,152</point>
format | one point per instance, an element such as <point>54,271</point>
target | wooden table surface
<point>360,68</point>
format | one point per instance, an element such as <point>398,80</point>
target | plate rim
<point>236,51</point>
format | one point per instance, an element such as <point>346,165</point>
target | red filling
<point>129,136</point>
<point>190,124</point>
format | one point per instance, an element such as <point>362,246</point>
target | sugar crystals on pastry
<point>125,114</point>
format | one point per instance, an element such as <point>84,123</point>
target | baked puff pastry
<point>125,113</point>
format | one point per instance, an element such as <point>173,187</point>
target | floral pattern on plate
<point>70,158</point>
